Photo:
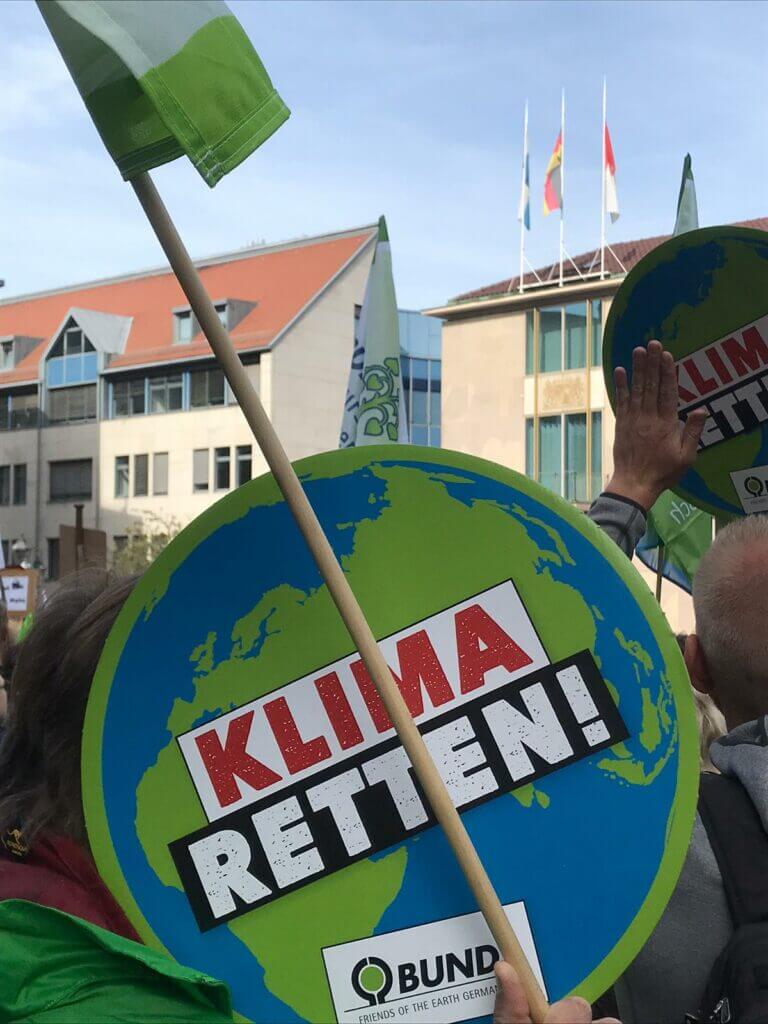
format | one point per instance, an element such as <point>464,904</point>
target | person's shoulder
<point>93,974</point>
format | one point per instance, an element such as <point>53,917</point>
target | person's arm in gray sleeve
<point>651,450</point>
<point>621,518</point>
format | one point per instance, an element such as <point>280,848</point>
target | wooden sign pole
<point>340,590</point>
<point>660,562</point>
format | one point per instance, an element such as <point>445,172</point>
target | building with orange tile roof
<point>110,396</point>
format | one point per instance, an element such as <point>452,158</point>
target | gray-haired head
<point>730,598</point>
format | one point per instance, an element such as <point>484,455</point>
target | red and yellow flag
<point>553,191</point>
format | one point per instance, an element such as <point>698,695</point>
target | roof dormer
<point>14,348</point>
<point>231,312</point>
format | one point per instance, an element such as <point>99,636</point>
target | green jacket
<point>59,969</point>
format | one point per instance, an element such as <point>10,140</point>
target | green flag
<point>167,78</point>
<point>687,209</point>
<point>684,531</point>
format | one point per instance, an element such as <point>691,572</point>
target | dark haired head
<point>40,751</point>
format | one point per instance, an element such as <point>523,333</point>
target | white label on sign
<point>442,971</point>
<point>445,661</point>
<point>752,488</point>
<point>16,593</point>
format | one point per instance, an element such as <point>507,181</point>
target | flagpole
<point>562,182</point>
<point>661,559</point>
<point>602,189</point>
<point>338,586</point>
<point>522,198</point>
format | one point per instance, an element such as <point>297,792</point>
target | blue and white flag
<point>524,212</point>
<point>374,409</point>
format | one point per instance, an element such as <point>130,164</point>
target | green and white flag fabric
<point>678,532</point>
<point>374,409</point>
<point>687,208</point>
<point>165,78</point>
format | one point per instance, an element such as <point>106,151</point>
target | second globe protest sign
<point>251,807</point>
<point>704,295</point>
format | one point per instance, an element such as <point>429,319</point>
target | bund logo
<point>372,979</point>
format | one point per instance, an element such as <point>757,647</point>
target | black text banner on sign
<point>331,783</point>
<point>729,378</point>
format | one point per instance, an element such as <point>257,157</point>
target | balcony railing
<point>19,419</point>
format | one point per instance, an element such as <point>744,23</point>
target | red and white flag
<point>611,195</point>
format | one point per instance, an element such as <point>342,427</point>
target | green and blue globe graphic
<point>692,290</point>
<point>235,607</point>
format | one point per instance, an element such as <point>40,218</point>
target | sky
<point>413,110</point>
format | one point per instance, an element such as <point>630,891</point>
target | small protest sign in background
<point>253,811</point>
<point>704,295</point>
<point>19,590</point>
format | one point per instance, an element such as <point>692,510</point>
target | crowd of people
<point>69,953</point>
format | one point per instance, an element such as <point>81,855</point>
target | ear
<point>696,661</point>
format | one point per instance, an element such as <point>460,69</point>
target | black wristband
<point>627,501</point>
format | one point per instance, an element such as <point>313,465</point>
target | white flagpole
<point>522,198</point>
<point>602,189</point>
<point>562,183</point>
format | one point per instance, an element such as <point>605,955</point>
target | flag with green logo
<point>374,409</point>
<point>166,78</point>
<point>677,531</point>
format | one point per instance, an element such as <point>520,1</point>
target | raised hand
<point>651,450</point>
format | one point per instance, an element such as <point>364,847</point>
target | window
<point>140,475</point>
<point>23,411</point>
<point>6,355</point>
<point>122,476</point>
<point>184,327</point>
<point>72,405</point>
<point>160,473</point>
<point>200,469</point>
<point>206,388</point>
<point>72,359</point>
<point>576,457</point>
<point>244,464</point>
<point>70,479</point>
<point>120,542</point>
<point>222,469</point>
<point>529,341</point>
<point>563,337</point>
<point>5,485</point>
<point>597,454</point>
<point>20,484</point>
<point>576,336</point>
<point>165,393</point>
<point>563,455</point>
<point>597,332</point>
<point>529,452</point>
<point>53,558</point>
<point>422,393</point>
<point>128,397</point>
<point>221,309</point>
<point>550,340</point>
<point>550,452</point>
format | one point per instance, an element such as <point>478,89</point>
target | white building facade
<point>111,398</point>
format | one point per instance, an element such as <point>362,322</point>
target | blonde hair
<point>711,728</point>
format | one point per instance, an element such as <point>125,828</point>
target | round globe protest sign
<point>251,808</point>
<point>704,295</point>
